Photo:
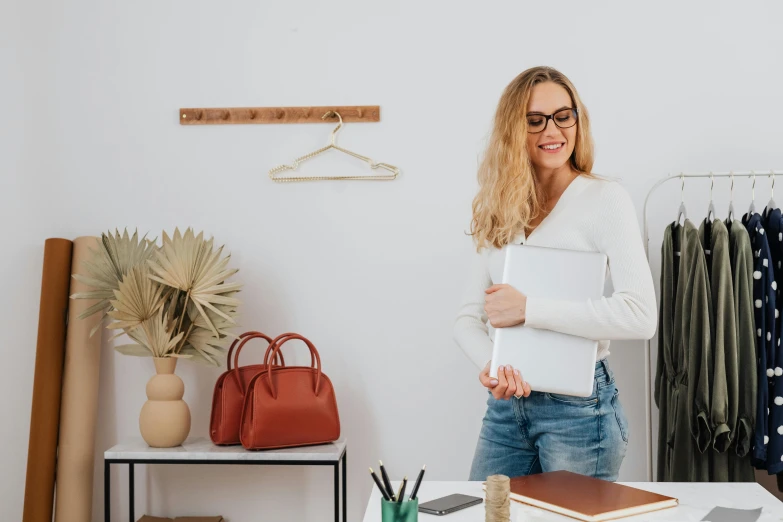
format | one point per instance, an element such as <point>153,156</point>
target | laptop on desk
<point>551,361</point>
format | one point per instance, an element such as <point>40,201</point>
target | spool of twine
<point>498,502</point>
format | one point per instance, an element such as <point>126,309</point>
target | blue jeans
<point>550,432</point>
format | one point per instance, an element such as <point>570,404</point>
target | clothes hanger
<point>333,145</point>
<point>771,203</point>
<point>752,209</point>
<point>711,208</point>
<point>682,213</point>
<point>730,217</point>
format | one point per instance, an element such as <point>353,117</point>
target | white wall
<point>372,273</point>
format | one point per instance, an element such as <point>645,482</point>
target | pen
<point>418,483</point>
<point>386,482</point>
<point>402,489</point>
<point>380,486</point>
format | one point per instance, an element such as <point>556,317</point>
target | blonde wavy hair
<point>508,197</point>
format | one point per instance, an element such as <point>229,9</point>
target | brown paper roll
<point>79,405</point>
<point>47,382</point>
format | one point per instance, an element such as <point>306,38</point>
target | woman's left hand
<point>504,306</point>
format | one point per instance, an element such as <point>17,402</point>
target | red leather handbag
<point>288,406</point>
<point>229,393</point>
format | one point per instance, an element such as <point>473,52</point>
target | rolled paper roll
<point>47,382</point>
<point>79,405</point>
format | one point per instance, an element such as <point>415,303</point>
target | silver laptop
<point>551,361</point>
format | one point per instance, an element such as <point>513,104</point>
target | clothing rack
<point>647,362</point>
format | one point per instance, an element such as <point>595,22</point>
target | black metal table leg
<point>345,484</point>
<point>336,492</point>
<point>131,486</point>
<point>106,490</point>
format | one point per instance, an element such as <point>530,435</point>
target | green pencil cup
<point>406,511</point>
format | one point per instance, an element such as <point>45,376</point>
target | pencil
<point>380,486</point>
<point>402,489</point>
<point>386,482</point>
<point>418,483</point>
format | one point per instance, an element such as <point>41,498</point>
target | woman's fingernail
<point>493,382</point>
<point>501,369</point>
<point>516,372</point>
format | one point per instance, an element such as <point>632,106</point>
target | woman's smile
<point>552,147</point>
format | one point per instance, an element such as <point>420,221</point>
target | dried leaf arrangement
<point>173,300</point>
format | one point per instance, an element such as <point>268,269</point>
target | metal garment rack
<point>647,362</point>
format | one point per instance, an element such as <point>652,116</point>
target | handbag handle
<point>244,338</point>
<point>235,342</point>
<point>255,335</point>
<point>315,359</point>
<point>279,340</point>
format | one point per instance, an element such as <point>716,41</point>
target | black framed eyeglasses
<point>563,118</point>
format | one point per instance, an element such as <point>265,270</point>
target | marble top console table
<point>202,451</point>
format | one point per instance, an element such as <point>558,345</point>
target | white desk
<point>696,500</point>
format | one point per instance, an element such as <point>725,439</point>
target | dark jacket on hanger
<point>682,382</point>
<point>764,312</point>
<point>773,225</point>
<point>741,260</point>
<point>714,238</point>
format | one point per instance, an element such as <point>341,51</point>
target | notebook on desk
<point>585,498</point>
<point>550,361</point>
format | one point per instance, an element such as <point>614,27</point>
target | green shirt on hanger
<point>684,371</point>
<point>714,238</point>
<point>665,337</point>
<point>741,260</point>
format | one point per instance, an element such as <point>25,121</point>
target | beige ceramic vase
<point>165,418</point>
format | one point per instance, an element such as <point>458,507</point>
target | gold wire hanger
<point>273,173</point>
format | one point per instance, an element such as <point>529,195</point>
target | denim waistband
<point>602,370</point>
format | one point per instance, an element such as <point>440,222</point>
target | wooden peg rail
<point>234,115</point>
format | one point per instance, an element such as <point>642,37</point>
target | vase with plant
<point>175,302</point>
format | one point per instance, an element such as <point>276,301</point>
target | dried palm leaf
<point>114,256</point>
<point>190,264</point>
<point>218,321</point>
<point>137,299</point>
<point>208,347</point>
<point>153,335</point>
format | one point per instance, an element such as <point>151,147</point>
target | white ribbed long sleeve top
<point>592,214</point>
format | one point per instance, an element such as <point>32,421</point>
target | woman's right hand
<point>508,384</point>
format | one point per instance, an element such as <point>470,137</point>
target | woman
<point>536,187</point>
